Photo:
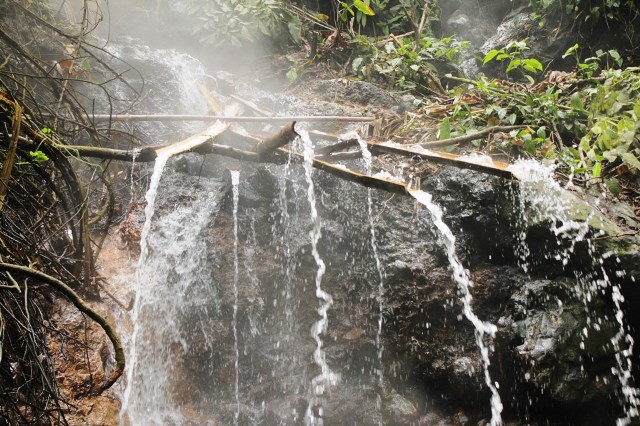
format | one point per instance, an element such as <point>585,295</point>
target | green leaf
<point>513,64</point>
<point>585,143</point>
<point>357,62</point>
<point>616,57</point>
<point>444,130</point>
<point>613,185</point>
<point>38,156</point>
<point>492,54</point>
<point>596,170</point>
<point>532,65</point>
<point>631,161</point>
<point>294,29</point>
<point>363,7</point>
<point>292,75</point>
<point>576,102</point>
<point>529,145</point>
<point>570,51</point>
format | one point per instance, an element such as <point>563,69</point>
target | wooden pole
<point>496,168</point>
<point>234,119</point>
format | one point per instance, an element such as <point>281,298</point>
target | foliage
<point>238,22</point>
<point>359,9</point>
<point>384,17</point>
<point>613,124</point>
<point>513,54</point>
<point>616,10</point>
<point>590,124</point>
<point>403,63</point>
<point>38,156</point>
<point>593,64</point>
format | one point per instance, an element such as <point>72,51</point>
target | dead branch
<point>470,137</point>
<point>194,141</point>
<point>7,167</point>
<point>359,178</point>
<point>80,304</point>
<point>497,168</point>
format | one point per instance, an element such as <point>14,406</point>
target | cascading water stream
<point>541,198</point>
<point>149,210</point>
<point>326,378</point>
<point>235,182</point>
<point>461,277</point>
<point>366,156</point>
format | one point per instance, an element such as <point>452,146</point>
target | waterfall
<point>366,156</point>
<point>149,210</point>
<point>461,277</point>
<point>541,199</point>
<point>326,378</point>
<point>235,182</point>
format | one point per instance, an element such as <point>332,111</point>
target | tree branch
<point>470,137</point>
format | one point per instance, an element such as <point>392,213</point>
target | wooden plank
<point>193,141</point>
<point>496,168</point>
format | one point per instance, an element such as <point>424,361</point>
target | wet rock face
<point>83,362</point>
<point>557,356</point>
<point>471,20</point>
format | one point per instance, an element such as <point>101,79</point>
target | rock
<point>399,408</point>
<point>353,334</point>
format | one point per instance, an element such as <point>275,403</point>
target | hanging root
<point>45,225</point>
<point>73,297</point>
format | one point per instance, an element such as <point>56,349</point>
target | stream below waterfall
<point>277,294</point>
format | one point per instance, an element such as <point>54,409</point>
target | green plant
<point>613,128</point>
<point>405,64</point>
<point>592,65</point>
<point>513,53</point>
<point>359,9</point>
<point>239,22</point>
<point>38,157</point>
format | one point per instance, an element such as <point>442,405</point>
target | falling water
<point>541,198</point>
<point>326,378</point>
<point>235,182</point>
<point>170,269</point>
<point>287,329</point>
<point>366,156</point>
<point>149,210</point>
<point>461,277</point>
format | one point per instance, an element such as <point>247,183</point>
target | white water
<point>461,277</point>
<point>235,182</point>
<point>149,210</point>
<point>171,261</point>
<point>542,199</point>
<point>366,156</point>
<point>326,378</point>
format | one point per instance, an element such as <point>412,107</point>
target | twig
<point>7,166</point>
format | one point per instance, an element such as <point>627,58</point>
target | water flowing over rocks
<point>553,351</point>
<point>432,366</point>
<point>547,366</point>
